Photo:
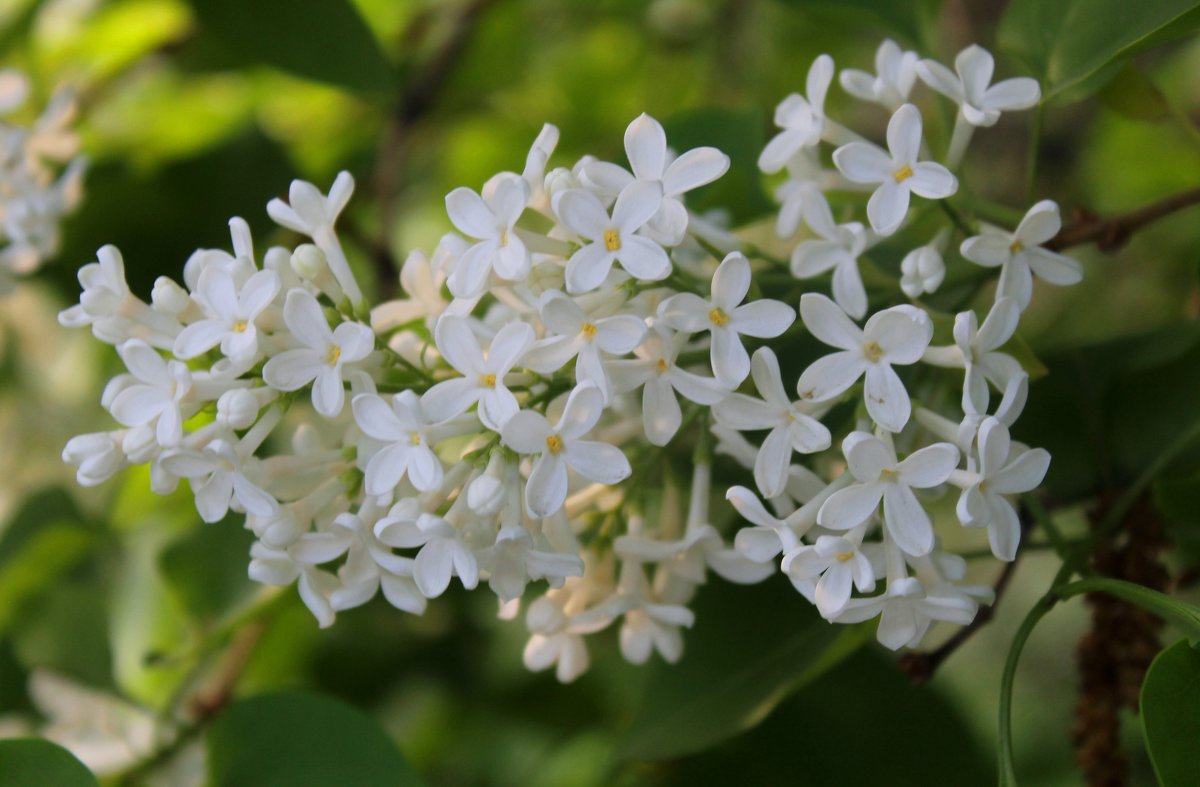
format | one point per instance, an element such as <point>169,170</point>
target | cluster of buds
<point>512,419</point>
<point>40,179</point>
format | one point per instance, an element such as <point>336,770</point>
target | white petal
<point>1000,325</point>
<point>745,413</point>
<point>826,321</point>
<point>1055,268</point>
<point>643,259</point>
<point>862,162</point>
<point>694,388</point>
<point>646,147</point>
<point>433,567</point>
<point>929,466</point>
<point>830,375</point>
<point>470,214</point>
<point>526,432</point>
<point>848,508</point>
<point>661,415</point>
<point>635,205</point>
<point>620,334</point>
<point>764,367</point>
<point>867,456</point>
<point>291,370</point>
<point>496,406</point>
<point>887,400</point>
<point>1004,530</point>
<point>730,361</point>
<point>686,312</point>
<point>907,522</point>
<point>199,338</point>
<point>547,486</point>
<point>582,212</point>
<point>731,281</point>
<point>328,393</point>
<point>583,409</point>
<point>693,169</point>
<point>457,343</point>
<point>507,347</point>
<point>1041,223</point>
<point>1023,474</point>
<point>904,134</point>
<point>450,398</point>
<point>377,418</point>
<point>771,465</point>
<point>848,288</point>
<point>816,84</point>
<point>762,319</point>
<point>597,461</point>
<point>989,249</point>
<point>887,207</point>
<point>814,257</point>
<point>975,66</point>
<point>588,267</point>
<point>1010,94</point>
<point>304,318</point>
<point>941,79</point>
<point>932,181</point>
<point>751,508</point>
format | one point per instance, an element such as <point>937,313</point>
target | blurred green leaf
<point>302,740</point>
<point>750,648</point>
<point>1132,94</point>
<point>1178,499</point>
<point>42,559</point>
<point>739,133</point>
<point>1066,41</point>
<point>1170,703</point>
<point>906,19</point>
<point>33,762</point>
<point>67,631</point>
<point>327,41</point>
<point>206,567</point>
<point>862,723</point>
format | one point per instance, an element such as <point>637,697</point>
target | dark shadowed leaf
<point>739,133</point>
<point>32,762</point>
<point>1171,714</point>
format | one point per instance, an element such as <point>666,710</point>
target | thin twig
<point>1110,234</point>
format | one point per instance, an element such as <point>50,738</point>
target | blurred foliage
<point>193,112</point>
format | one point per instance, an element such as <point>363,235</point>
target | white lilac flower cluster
<point>40,179</point>
<point>512,418</point>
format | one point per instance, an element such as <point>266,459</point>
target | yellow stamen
<point>612,240</point>
<point>240,326</point>
<point>718,317</point>
<point>554,444</point>
<point>415,439</point>
<point>903,174</point>
<point>873,351</point>
<point>661,365</point>
<point>504,237</point>
<point>333,355</point>
<point>487,380</point>
<point>887,473</point>
<point>588,330</point>
<point>844,556</point>
<point>1016,247</point>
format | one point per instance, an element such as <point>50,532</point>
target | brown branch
<point>1110,234</point>
<point>413,104</point>
<point>920,666</point>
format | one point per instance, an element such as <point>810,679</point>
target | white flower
<point>648,625</point>
<point>655,369</point>
<point>907,611</point>
<point>897,171</point>
<point>791,423</point>
<point>281,567</point>
<point>491,219</point>
<point>1001,472</point>
<point>646,147</point>
<point>770,534</point>
<point>726,319</point>
<point>978,346</point>
<point>612,239</point>
<point>881,477</point>
<point>114,313</point>
<point>515,559</point>
<point>371,566</point>
<point>801,118</point>
<point>1021,254</point>
<point>556,639</point>
<point>442,552</point>
<point>14,88</point>
<point>312,213</point>
<point>231,315</point>
<point>980,105</point>
<point>559,447</point>
<point>896,72</point>
<point>156,396</point>
<point>834,563</point>
<point>402,427</point>
<point>535,167</point>
<point>218,478</point>
<point>838,249</point>
<point>923,269</point>
<point>324,356</point>
<point>483,376</point>
<point>892,336</point>
<point>96,457</point>
<point>572,333</point>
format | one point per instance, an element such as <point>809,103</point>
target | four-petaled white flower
<point>839,248</point>
<point>231,315</point>
<point>895,74</point>
<point>881,477</point>
<point>770,534</point>
<point>218,478</point>
<point>834,563</point>
<point>792,425</point>
<point>324,356</point>
<point>612,239</point>
<point>560,447</point>
<point>154,394</point>
<point>572,333</point>
<point>980,105</point>
<point>402,427</point>
<point>726,319</point>
<point>978,345</point>
<point>442,551</point>
<point>1001,472</point>
<point>802,118</point>
<point>892,336</point>
<point>1021,254</point>
<point>897,171</point>
<point>655,369</point>
<point>646,147</point>
<point>482,378</point>
<point>906,611</point>
<point>490,219</point>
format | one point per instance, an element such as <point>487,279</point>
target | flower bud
<point>168,297</point>
<point>140,444</point>
<point>237,408</point>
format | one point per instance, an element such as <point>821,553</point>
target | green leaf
<point>327,41</point>
<point>739,133</point>
<point>1132,94</point>
<point>749,649</point>
<point>42,560</point>
<point>302,740</point>
<point>1170,704</point>
<point>1065,42</point>
<point>33,762</point>
<point>206,567</point>
<point>906,19</point>
<point>1181,613</point>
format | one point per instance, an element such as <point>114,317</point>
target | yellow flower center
<point>887,474</point>
<point>554,444</point>
<point>588,331</point>
<point>612,240</point>
<point>1016,247</point>
<point>240,326</point>
<point>504,237</point>
<point>873,351</point>
<point>415,439</point>
<point>718,317</point>
<point>487,380</point>
<point>661,365</point>
<point>844,556</point>
<point>903,174</point>
<point>334,354</point>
